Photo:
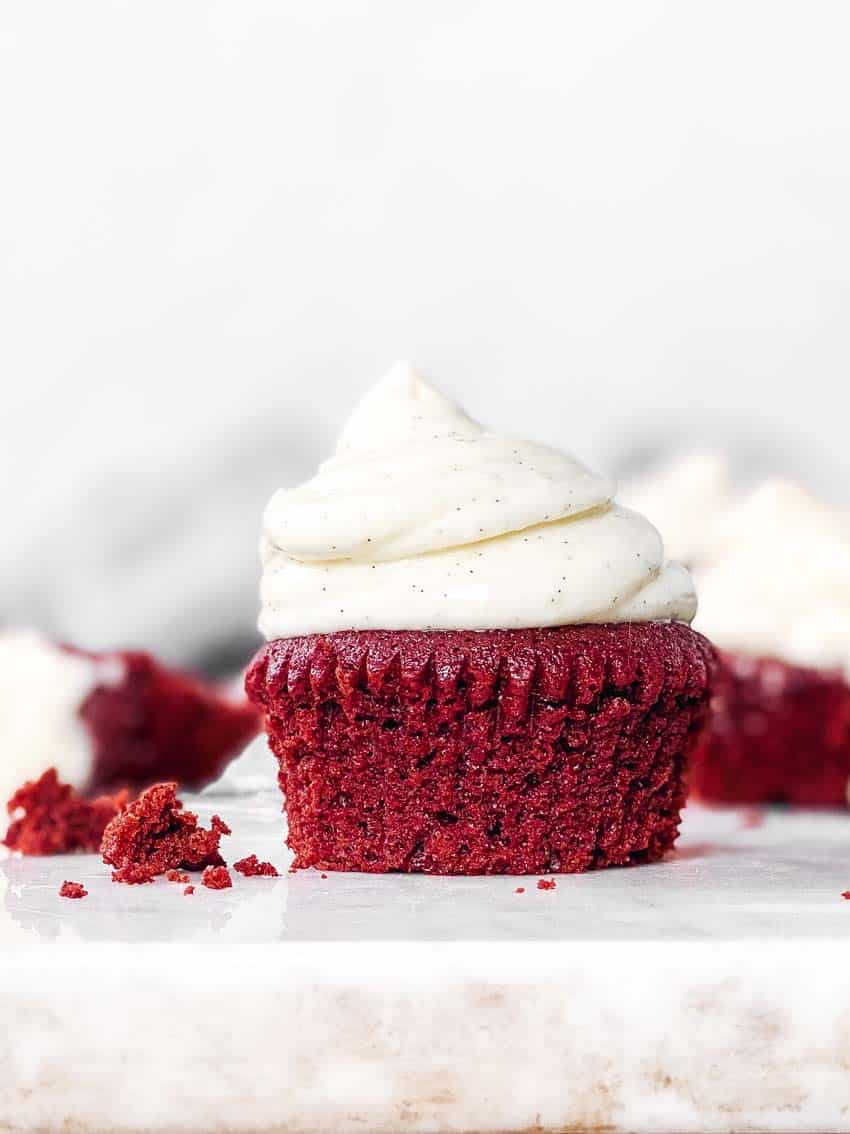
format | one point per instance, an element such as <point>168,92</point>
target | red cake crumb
<point>188,890</point>
<point>251,867</point>
<point>519,890</point>
<point>546,884</point>
<point>324,876</point>
<point>72,890</point>
<point>521,752</point>
<point>846,894</point>
<point>176,876</point>
<point>217,878</point>
<point>154,835</point>
<point>752,817</point>
<point>778,733</point>
<point>49,817</point>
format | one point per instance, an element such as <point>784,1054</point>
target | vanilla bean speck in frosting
<point>422,520</point>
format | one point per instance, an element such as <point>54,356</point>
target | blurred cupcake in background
<point>110,720</point>
<point>772,569</point>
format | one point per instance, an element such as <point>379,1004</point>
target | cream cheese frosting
<point>42,689</point>
<point>423,520</point>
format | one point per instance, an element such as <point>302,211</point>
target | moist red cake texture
<point>251,867</point>
<point>155,835</point>
<point>72,890</point>
<point>49,817</point>
<point>522,752</point>
<point>158,723</point>
<point>779,733</point>
<point>217,878</point>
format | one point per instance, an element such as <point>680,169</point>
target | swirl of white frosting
<point>422,520</point>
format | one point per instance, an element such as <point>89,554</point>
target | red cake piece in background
<point>455,752</point>
<point>155,835</point>
<point>158,722</point>
<point>251,867</point>
<point>49,817</point>
<point>779,733</point>
<point>110,720</point>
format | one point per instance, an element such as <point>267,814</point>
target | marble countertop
<point>709,992</point>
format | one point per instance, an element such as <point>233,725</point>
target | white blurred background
<point>620,227</point>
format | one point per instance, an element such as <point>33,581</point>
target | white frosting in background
<point>775,579</point>
<point>771,564</point>
<point>42,688</point>
<point>422,520</point>
<point>685,499</point>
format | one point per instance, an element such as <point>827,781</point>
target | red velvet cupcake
<point>477,663</point>
<point>111,720</point>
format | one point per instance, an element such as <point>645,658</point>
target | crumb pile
<point>453,752</point>
<point>217,878</point>
<point>251,867</point>
<point>49,817</point>
<point>546,884</point>
<point>155,835</point>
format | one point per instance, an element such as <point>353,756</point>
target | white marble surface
<point>711,992</point>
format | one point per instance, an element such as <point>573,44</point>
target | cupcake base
<point>483,753</point>
<point>779,733</point>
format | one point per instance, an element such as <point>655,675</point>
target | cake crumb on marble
<point>72,890</point>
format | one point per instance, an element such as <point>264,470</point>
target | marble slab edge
<point>452,1037</point>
